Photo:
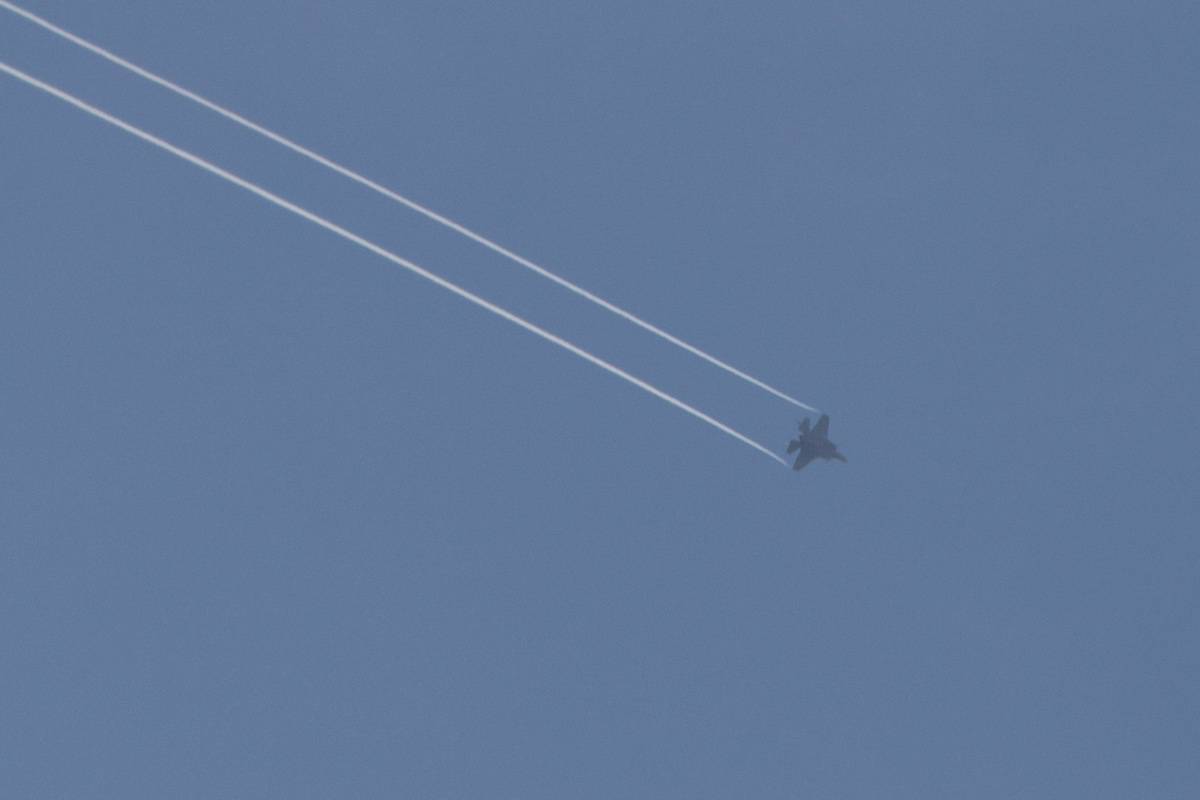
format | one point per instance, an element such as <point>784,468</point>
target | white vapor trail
<point>411,204</point>
<point>379,251</point>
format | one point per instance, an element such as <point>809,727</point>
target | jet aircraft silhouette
<point>813,443</point>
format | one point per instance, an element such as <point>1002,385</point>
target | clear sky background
<point>278,519</point>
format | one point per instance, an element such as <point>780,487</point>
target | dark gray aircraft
<point>813,443</point>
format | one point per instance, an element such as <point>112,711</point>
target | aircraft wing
<point>822,428</point>
<point>793,445</point>
<point>804,459</point>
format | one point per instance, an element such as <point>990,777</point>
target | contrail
<point>379,251</point>
<point>411,204</point>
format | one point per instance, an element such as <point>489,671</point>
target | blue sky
<point>280,520</point>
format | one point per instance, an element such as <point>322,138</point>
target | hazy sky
<point>278,519</point>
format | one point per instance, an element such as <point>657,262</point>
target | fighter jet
<point>813,443</point>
